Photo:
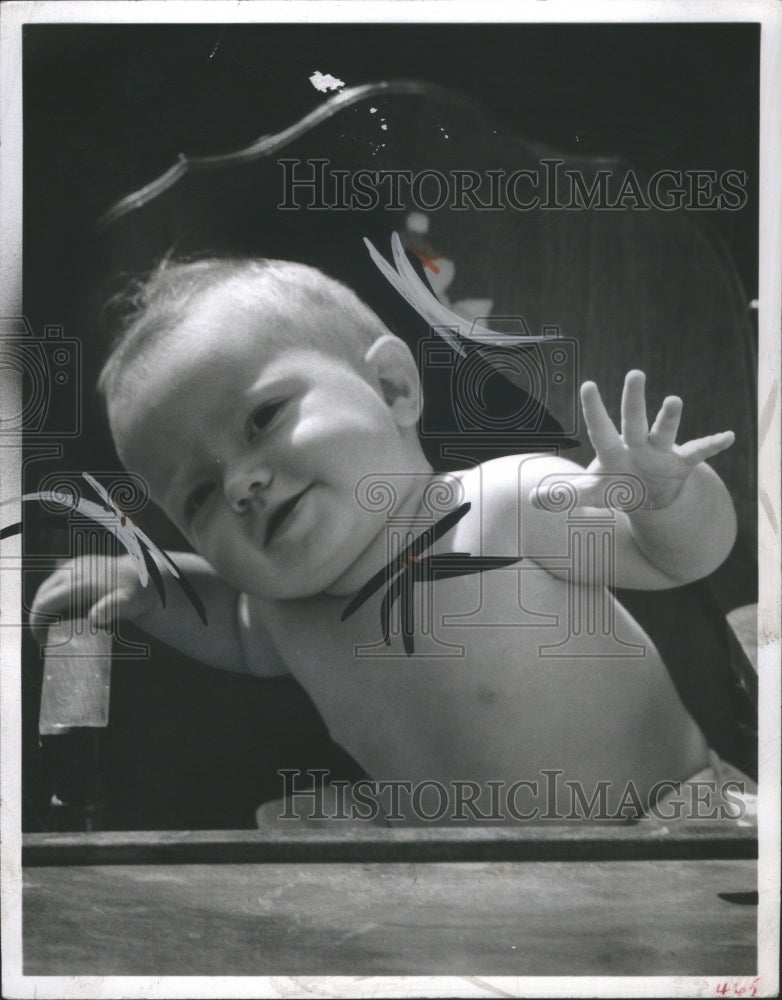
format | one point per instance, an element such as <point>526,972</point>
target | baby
<point>258,399</point>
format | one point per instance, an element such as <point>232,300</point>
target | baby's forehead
<point>218,335</point>
<point>219,367</point>
<point>226,323</point>
<point>235,324</point>
<point>275,302</point>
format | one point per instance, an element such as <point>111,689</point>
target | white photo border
<point>13,16</point>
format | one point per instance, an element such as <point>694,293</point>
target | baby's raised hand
<point>650,455</point>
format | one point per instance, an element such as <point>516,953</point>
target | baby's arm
<point>685,525</point>
<point>224,642</point>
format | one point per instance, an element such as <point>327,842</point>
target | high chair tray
<point>391,902</point>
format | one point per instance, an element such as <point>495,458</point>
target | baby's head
<point>254,396</point>
<point>293,301</point>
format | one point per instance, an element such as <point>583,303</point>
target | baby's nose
<point>243,484</point>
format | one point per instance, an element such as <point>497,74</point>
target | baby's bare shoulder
<point>502,476</point>
<point>503,484</point>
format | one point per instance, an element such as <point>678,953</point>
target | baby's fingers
<point>635,428</point>
<point>40,622</point>
<point>666,424</point>
<point>600,428</point>
<point>52,602</point>
<point>103,614</point>
<point>702,448</point>
<point>53,588</point>
<point>126,603</point>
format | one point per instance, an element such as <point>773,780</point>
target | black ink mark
<point>740,898</point>
<point>411,566</point>
<point>136,542</point>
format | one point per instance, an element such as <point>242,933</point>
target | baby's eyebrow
<point>274,382</point>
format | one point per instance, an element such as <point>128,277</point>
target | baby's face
<point>254,450</point>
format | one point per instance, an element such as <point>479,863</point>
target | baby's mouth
<point>280,513</point>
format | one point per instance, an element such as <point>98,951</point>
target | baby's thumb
<point>623,491</point>
<point>563,492</point>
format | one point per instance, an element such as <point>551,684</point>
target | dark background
<point>107,109</point>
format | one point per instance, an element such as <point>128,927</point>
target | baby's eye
<point>262,416</point>
<point>197,499</point>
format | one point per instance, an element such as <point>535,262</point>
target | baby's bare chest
<point>500,667</point>
<point>399,681</point>
<point>415,621</point>
<point>475,640</point>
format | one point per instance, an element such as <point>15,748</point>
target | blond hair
<point>297,300</point>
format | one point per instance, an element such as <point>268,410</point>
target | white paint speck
<point>384,127</point>
<point>372,110</point>
<point>417,222</point>
<point>325,82</point>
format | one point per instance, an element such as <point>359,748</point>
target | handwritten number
<point>738,988</point>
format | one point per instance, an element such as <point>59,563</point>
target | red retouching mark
<point>124,518</point>
<point>426,257</point>
<point>414,559</point>
<point>738,988</point>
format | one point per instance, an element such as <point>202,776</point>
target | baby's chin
<point>339,582</point>
<point>339,570</point>
<point>296,587</point>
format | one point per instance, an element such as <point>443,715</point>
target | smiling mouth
<point>280,514</point>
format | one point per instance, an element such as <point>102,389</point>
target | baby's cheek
<point>219,549</point>
<point>232,567</point>
<point>316,429</point>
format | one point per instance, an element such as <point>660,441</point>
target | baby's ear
<point>393,369</point>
